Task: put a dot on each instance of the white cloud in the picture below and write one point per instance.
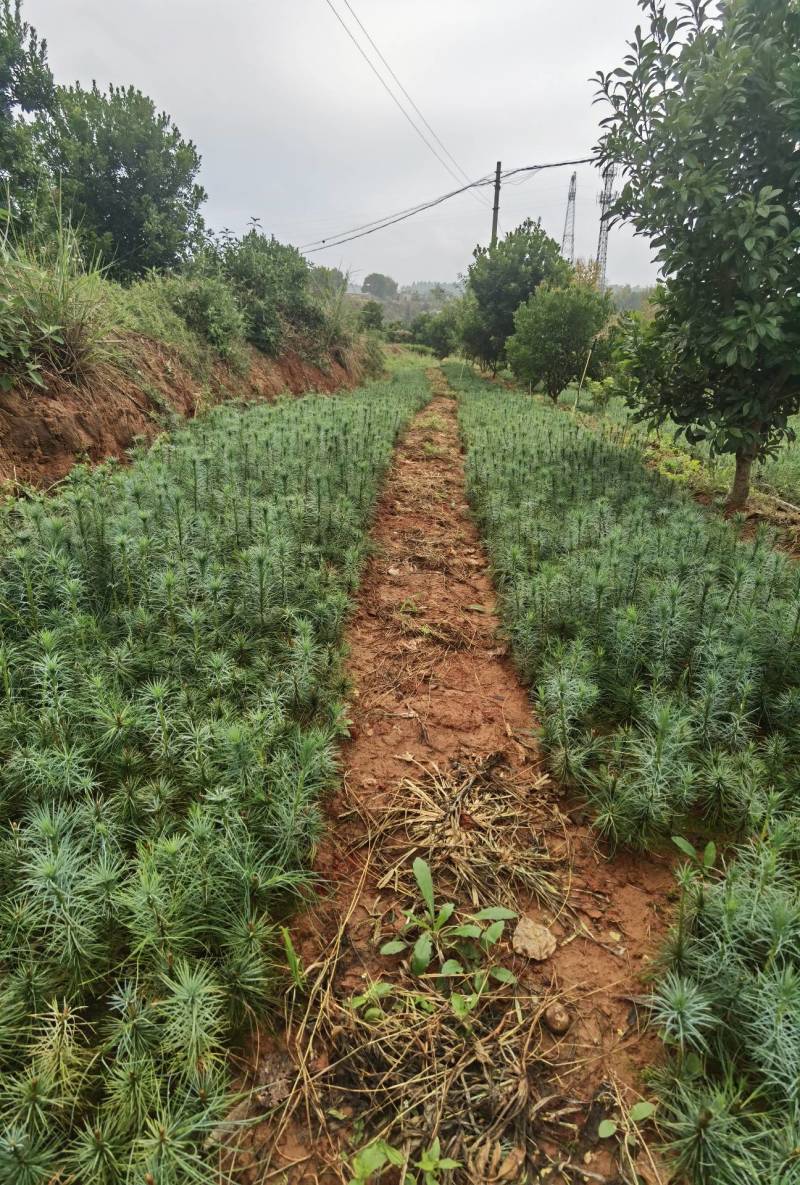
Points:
(295, 129)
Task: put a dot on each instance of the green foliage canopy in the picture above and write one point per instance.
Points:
(328, 280)
(209, 308)
(380, 286)
(705, 112)
(553, 334)
(440, 331)
(126, 174)
(500, 279)
(271, 280)
(26, 86)
(370, 315)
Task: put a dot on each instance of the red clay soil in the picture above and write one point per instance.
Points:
(43, 434)
(435, 693)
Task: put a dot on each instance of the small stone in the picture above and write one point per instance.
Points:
(614, 936)
(533, 940)
(557, 1018)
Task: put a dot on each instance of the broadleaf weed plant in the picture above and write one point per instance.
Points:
(456, 952)
(170, 703)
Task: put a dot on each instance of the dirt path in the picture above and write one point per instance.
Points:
(440, 719)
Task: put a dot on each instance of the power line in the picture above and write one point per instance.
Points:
(377, 222)
(392, 219)
(399, 84)
(369, 228)
(390, 92)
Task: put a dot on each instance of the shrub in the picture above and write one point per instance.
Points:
(370, 315)
(397, 333)
(209, 307)
(271, 282)
(440, 331)
(600, 392)
(554, 334)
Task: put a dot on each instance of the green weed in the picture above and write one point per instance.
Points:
(55, 317)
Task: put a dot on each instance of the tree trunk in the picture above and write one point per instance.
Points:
(740, 490)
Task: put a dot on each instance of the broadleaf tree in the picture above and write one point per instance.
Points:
(440, 331)
(705, 112)
(380, 286)
(26, 88)
(500, 279)
(127, 176)
(370, 315)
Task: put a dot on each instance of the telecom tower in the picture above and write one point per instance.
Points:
(568, 240)
(605, 199)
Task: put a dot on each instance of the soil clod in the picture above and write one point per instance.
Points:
(533, 940)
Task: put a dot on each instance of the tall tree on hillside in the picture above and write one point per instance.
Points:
(500, 279)
(26, 87)
(379, 286)
(705, 119)
(127, 176)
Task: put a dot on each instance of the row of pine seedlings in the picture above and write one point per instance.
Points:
(170, 700)
(664, 656)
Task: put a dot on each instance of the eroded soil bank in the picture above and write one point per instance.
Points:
(443, 764)
(44, 433)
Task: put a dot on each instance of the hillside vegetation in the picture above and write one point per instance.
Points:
(104, 255)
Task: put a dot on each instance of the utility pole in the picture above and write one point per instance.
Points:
(568, 239)
(496, 210)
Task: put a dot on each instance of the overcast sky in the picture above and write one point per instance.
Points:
(295, 129)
